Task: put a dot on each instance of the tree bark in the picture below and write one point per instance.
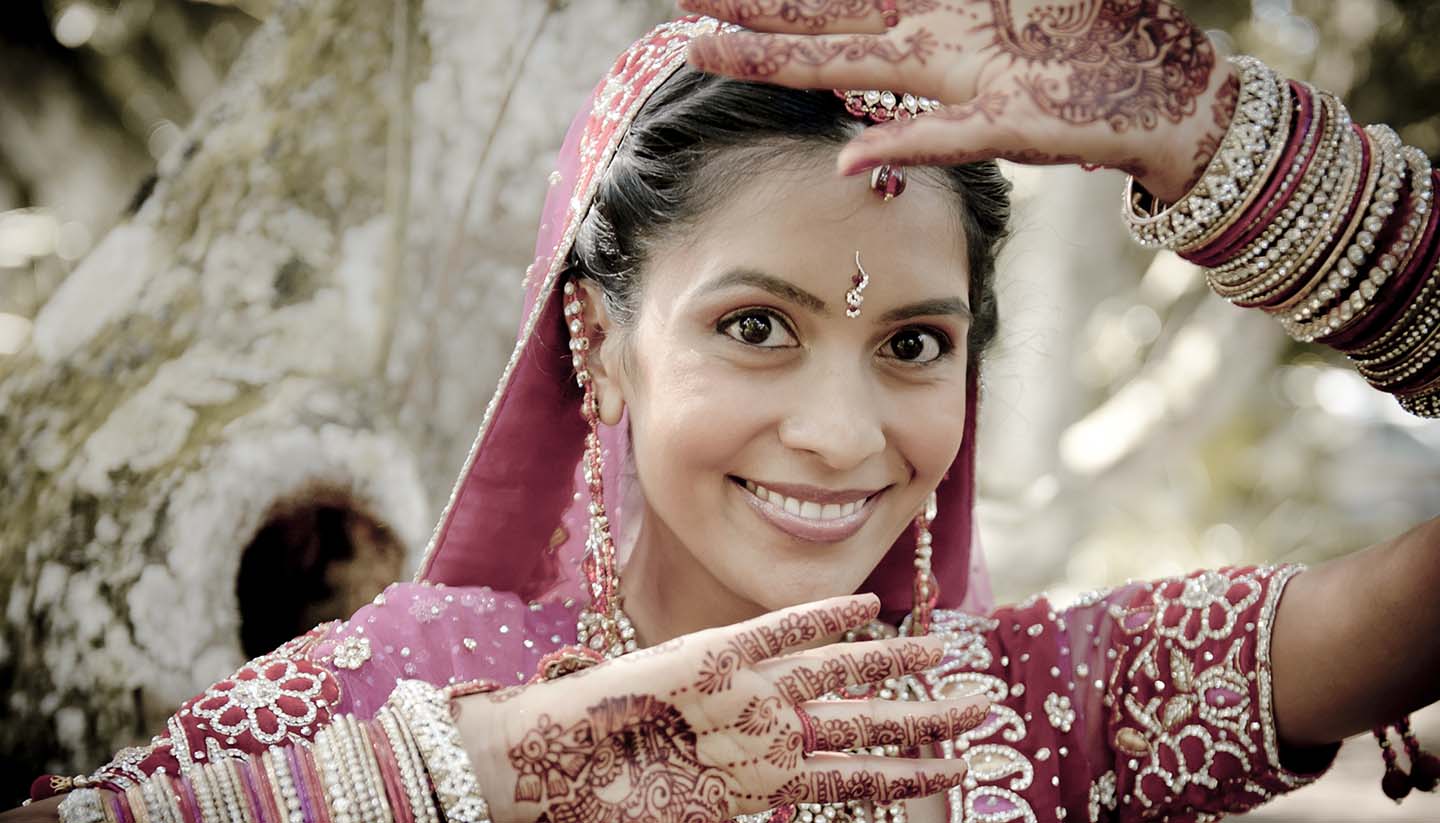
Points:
(283, 355)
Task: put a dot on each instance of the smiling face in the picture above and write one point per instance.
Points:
(782, 447)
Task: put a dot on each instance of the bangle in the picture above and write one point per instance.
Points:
(1253, 142)
(82, 806)
(425, 711)
(1351, 175)
(412, 768)
(1264, 234)
(1308, 323)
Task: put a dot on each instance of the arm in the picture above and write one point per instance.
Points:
(1357, 640)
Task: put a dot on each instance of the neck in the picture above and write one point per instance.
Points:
(667, 593)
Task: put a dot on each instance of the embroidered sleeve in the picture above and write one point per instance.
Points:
(437, 634)
(1151, 701)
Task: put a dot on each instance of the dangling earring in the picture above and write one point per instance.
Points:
(926, 591)
(603, 627)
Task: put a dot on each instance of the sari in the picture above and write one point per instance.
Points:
(1152, 700)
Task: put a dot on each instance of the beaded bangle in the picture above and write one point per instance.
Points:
(385, 761)
(82, 806)
(1253, 141)
(362, 766)
(1260, 234)
(1312, 229)
(311, 800)
(1330, 285)
(425, 711)
(280, 772)
(253, 797)
(1388, 319)
(137, 803)
(371, 761)
(1302, 210)
(412, 768)
(1358, 171)
(327, 764)
(1403, 248)
(265, 788)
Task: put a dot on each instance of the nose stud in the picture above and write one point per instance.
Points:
(856, 296)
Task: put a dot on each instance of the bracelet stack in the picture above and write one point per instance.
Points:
(406, 765)
(1325, 225)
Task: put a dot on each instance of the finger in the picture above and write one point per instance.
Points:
(748, 643)
(835, 778)
(808, 675)
(852, 724)
(785, 16)
(984, 128)
(836, 61)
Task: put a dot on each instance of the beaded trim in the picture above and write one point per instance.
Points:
(425, 711)
(1234, 173)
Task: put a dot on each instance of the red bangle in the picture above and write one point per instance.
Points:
(1268, 205)
(1404, 289)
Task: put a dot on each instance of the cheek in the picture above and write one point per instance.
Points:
(688, 424)
(929, 430)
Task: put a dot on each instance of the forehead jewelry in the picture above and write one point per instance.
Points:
(856, 296)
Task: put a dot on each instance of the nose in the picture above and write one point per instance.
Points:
(836, 418)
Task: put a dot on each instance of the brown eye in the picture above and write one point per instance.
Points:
(760, 329)
(916, 346)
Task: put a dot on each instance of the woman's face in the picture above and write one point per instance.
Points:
(781, 446)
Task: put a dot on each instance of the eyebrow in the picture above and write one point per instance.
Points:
(785, 290)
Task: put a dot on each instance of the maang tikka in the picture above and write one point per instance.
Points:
(886, 180)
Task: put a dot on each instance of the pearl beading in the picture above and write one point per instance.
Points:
(425, 712)
(1307, 323)
(1322, 141)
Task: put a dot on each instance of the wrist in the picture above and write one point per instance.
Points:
(1184, 151)
(483, 734)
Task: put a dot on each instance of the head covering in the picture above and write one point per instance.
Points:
(516, 519)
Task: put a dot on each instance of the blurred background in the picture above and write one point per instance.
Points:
(260, 267)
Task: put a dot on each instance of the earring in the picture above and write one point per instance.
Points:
(926, 590)
(603, 627)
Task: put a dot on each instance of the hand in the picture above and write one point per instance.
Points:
(1127, 84)
(40, 811)
(715, 724)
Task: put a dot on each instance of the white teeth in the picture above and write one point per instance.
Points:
(808, 509)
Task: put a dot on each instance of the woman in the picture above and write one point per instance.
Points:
(787, 359)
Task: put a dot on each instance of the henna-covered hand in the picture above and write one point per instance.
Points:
(1129, 84)
(715, 724)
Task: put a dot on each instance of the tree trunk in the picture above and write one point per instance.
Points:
(244, 409)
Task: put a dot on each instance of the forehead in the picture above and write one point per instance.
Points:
(804, 222)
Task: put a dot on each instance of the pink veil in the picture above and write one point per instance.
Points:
(516, 518)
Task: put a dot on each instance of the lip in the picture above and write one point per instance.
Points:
(802, 528)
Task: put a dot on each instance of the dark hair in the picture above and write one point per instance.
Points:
(664, 173)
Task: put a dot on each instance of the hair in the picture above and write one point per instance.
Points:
(700, 136)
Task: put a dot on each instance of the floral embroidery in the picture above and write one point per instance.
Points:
(268, 699)
(1059, 712)
(1203, 608)
(1102, 796)
(425, 609)
(352, 652)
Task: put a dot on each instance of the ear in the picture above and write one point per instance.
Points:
(605, 361)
